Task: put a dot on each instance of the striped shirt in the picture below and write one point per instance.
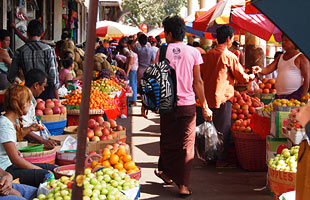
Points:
(35, 54)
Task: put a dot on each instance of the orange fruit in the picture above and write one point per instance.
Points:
(127, 158)
(130, 171)
(106, 154)
(123, 170)
(112, 151)
(94, 163)
(136, 169)
(130, 165)
(121, 151)
(118, 166)
(106, 163)
(114, 159)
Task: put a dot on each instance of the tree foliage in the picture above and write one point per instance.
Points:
(152, 12)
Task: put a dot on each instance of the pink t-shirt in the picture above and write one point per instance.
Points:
(62, 76)
(183, 58)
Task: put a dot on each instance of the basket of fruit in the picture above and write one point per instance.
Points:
(287, 105)
(282, 171)
(251, 151)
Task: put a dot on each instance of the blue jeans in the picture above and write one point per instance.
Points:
(27, 192)
(133, 84)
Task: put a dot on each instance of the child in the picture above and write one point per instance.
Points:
(17, 102)
(65, 74)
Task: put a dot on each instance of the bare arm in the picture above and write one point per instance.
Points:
(6, 57)
(268, 69)
(47, 143)
(11, 150)
(198, 87)
(304, 68)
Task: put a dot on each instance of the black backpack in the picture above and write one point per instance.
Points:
(158, 85)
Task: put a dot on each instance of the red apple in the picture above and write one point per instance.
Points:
(265, 80)
(236, 106)
(49, 104)
(241, 116)
(48, 111)
(40, 105)
(248, 116)
(57, 103)
(63, 109)
(245, 107)
(244, 123)
(39, 112)
(248, 129)
(119, 128)
(273, 91)
(261, 85)
(91, 123)
(268, 86)
(233, 111)
(100, 120)
(245, 112)
(241, 102)
(239, 111)
(105, 131)
(242, 129)
(90, 133)
(56, 110)
(55, 100)
(104, 137)
(106, 124)
(238, 122)
(252, 109)
(113, 123)
(98, 131)
(272, 81)
(40, 100)
(266, 91)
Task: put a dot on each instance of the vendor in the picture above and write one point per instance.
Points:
(17, 102)
(36, 80)
(5, 59)
(293, 72)
(65, 75)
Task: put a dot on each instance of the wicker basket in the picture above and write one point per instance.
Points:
(41, 157)
(251, 151)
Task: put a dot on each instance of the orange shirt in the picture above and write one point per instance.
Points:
(219, 70)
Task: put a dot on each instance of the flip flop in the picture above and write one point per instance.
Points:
(159, 175)
(185, 195)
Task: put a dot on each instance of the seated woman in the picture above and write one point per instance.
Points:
(65, 75)
(17, 101)
(5, 59)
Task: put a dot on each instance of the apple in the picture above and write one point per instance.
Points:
(103, 137)
(241, 102)
(40, 105)
(110, 137)
(39, 112)
(113, 123)
(265, 80)
(39, 100)
(57, 103)
(107, 124)
(268, 86)
(241, 116)
(252, 109)
(48, 111)
(106, 131)
(95, 139)
(98, 131)
(239, 111)
(49, 104)
(100, 120)
(273, 91)
(242, 129)
(114, 135)
(236, 106)
(56, 110)
(238, 122)
(234, 116)
(248, 129)
(63, 109)
(91, 123)
(90, 133)
(266, 91)
(261, 85)
(272, 81)
(119, 128)
(245, 111)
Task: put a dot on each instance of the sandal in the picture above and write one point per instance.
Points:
(185, 195)
(159, 175)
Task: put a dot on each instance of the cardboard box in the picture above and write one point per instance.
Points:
(276, 123)
(274, 146)
(122, 135)
(71, 130)
(53, 118)
(280, 181)
(296, 136)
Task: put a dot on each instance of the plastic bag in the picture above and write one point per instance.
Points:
(208, 141)
(252, 88)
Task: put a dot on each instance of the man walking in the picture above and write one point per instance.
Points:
(219, 70)
(36, 55)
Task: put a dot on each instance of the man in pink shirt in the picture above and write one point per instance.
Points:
(178, 127)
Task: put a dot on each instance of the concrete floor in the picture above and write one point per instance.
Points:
(207, 182)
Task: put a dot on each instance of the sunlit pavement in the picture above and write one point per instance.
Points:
(207, 182)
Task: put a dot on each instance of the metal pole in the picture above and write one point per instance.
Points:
(77, 191)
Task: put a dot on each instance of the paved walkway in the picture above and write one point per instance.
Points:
(207, 182)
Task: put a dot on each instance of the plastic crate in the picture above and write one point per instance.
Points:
(56, 128)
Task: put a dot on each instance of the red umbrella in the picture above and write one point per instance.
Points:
(250, 9)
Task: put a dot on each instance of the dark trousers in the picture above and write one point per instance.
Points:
(31, 177)
(222, 122)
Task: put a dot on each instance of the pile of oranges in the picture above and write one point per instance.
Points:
(98, 100)
(116, 159)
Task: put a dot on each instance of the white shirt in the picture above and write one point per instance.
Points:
(30, 117)
(7, 134)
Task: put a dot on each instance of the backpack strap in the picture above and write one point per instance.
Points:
(162, 52)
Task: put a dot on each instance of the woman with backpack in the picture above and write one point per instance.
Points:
(178, 127)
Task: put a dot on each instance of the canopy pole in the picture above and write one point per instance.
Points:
(77, 189)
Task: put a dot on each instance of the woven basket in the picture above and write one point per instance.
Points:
(39, 154)
(50, 159)
(251, 151)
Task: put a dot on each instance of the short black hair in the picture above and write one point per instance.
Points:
(35, 28)
(196, 44)
(158, 39)
(65, 35)
(66, 54)
(142, 39)
(223, 32)
(67, 62)
(176, 26)
(3, 34)
(33, 76)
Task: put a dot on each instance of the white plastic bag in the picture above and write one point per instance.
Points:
(208, 141)
(252, 88)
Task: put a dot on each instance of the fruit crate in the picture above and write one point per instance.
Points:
(56, 128)
(251, 151)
